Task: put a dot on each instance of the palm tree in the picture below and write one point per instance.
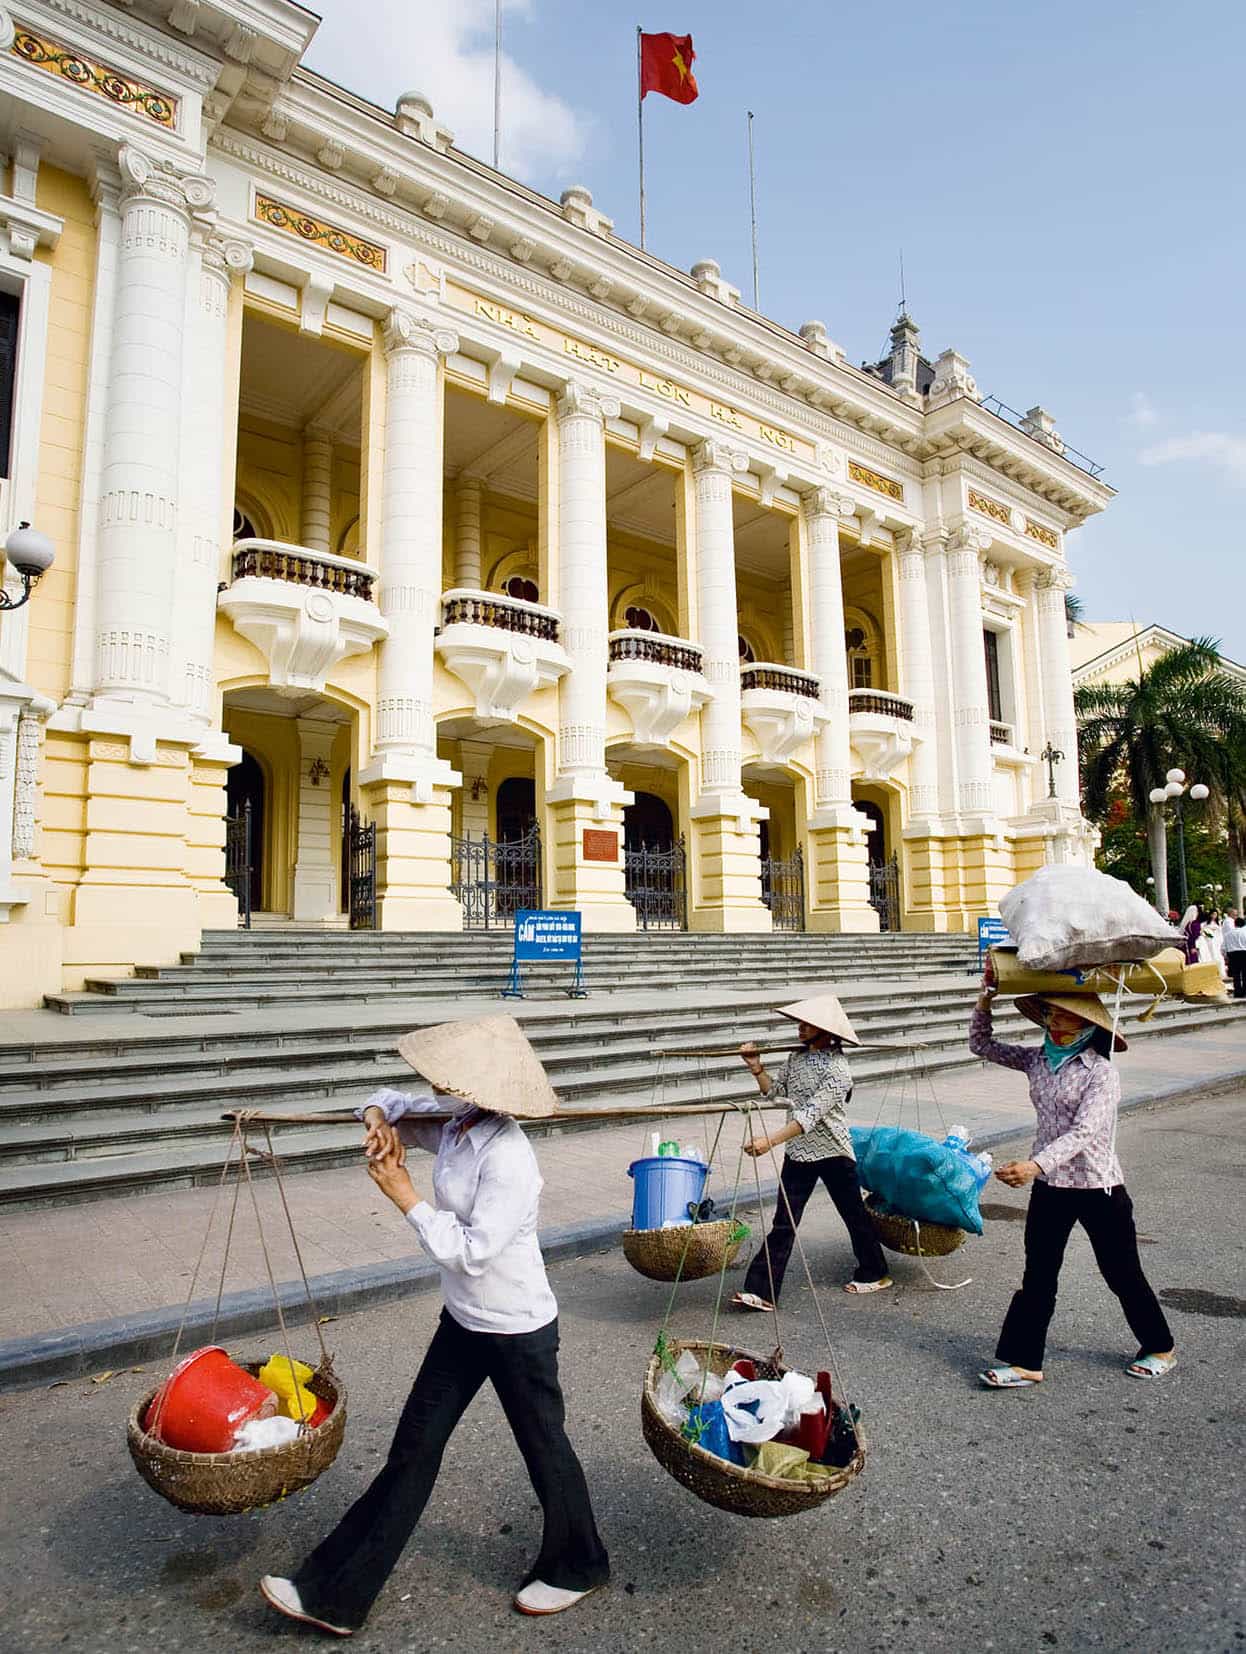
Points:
(1183, 710)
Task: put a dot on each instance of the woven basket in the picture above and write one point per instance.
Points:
(657, 1253)
(901, 1234)
(728, 1486)
(226, 1484)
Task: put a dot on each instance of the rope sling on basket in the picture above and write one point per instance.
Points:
(225, 1484)
(739, 1489)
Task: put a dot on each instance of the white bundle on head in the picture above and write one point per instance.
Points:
(1064, 918)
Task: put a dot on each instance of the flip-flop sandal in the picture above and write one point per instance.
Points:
(1151, 1366)
(1006, 1378)
(750, 1300)
(858, 1287)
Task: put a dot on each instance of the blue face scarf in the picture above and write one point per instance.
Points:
(1058, 1055)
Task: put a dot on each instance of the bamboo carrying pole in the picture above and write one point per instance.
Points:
(651, 1111)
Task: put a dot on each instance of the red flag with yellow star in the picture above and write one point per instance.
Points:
(666, 66)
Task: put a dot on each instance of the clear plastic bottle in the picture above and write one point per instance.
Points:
(957, 1138)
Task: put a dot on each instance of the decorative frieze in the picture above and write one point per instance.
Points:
(1044, 535)
(872, 479)
(995, 509)
(320, 233)
(98, 78)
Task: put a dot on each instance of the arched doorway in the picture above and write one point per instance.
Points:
(647, 823)
(245, 785)
(654, 875)
(884, 868)
(876, 837)
(516, 807)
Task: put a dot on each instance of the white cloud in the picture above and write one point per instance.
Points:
(1142, 410)
(1217, 448)
(444, 49)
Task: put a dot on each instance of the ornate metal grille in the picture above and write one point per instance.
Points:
(496, 878)
(783, 890)
(362, 839)
(238, 861)
(656, 884)
(885, 893)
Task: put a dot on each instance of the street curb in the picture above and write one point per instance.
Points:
(128, 1340)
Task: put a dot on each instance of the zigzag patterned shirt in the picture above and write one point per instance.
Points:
(816, 1086)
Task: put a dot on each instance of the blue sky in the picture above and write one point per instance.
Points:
(1065, 183)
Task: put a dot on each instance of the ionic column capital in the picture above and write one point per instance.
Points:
(715, 455)
(226, 256)
(406, 330)
(581, 401)
(827, 502)
(1059, 578)
(144, 178)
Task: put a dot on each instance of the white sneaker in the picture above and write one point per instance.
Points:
(539, 1598)
(282, 1594)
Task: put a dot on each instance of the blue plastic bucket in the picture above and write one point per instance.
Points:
(663, 1189)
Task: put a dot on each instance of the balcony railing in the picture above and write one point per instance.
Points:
(785, 679)
(656, 649)
(273, 560)
(1001, 734)
(505, 614)
(880, 702)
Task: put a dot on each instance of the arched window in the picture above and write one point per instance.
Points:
(640, 619)
(861, 647)
(747, 653)
(526, 590)
(244, 528)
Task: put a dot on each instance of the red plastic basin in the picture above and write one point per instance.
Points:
(204, 1402)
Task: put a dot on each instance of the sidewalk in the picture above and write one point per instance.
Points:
(85, 1285)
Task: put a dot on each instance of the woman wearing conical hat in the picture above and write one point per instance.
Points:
(500, 1322)
(1075, 1088)
(815, 1083)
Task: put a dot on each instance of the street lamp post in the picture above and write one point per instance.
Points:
(31, 555)
(1173, 792)
(1051, 756)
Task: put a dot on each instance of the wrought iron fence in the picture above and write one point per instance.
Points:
(238, 867)
(783, 889)
(493, 879)
(362, 841)
(655, 882)
(885, 893)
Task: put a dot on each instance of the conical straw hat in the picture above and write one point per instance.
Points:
(485, 1060)
(825, 1012)
(1087, 1006)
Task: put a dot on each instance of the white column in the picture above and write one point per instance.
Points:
(583, 588)
(210, 426)
(1059, 717)
(315, 873)
(917, 678)
(317, 515)
(970, 703)
(828, 657)
(411, 530)
(467, 540)
(137, 548)
(718, 626)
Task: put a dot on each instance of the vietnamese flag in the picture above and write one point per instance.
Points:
(666, 66)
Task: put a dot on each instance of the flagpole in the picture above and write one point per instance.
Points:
(640, 131)
(497, 85)
(752, 202)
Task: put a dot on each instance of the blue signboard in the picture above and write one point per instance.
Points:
(546, 934)
(992, 933)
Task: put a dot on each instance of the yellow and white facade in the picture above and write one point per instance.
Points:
(377, 479)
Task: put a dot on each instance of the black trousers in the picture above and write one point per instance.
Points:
(799, 1178)
(1108, 1219)
(1236, 961)
(341, 1578)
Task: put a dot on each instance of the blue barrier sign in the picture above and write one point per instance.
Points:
(546, 934)
(992, 933)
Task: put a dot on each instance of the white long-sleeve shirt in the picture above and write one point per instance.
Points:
(482, 1228)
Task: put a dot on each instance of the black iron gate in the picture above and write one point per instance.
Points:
(655, 882)
(494, 879)
(783, 889)
(885, 893)
(362, 843)
(238, 860)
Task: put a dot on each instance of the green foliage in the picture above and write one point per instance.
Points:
(1124, 854)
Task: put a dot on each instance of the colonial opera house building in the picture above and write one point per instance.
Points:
(422, 551)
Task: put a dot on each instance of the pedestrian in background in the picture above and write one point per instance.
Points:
(1234, 943)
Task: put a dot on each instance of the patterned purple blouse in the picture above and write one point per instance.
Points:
(1076, 1108)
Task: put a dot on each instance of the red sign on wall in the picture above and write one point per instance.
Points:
(600, 844)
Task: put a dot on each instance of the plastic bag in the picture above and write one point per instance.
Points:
(911, 1174)
(707, 1427)
(756, 1410)
(260, 1433)
(687, 1384)
(1064, 918)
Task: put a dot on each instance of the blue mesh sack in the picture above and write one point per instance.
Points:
(909, 1173)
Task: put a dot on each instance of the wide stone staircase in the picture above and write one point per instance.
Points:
(128, 1102)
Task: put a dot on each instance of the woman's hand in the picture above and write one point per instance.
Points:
(757, 1147)
(379, 1139)
(392, 1178)
(1017, 1173)
(989, 985)
(751, 1056)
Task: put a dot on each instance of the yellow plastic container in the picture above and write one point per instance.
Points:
(288, 1380)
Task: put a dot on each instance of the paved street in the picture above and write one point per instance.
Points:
(1095, 1513)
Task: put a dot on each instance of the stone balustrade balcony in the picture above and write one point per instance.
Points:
(501, 647)
(1001, 734)
(781, 707)
(881, 731)
(303, 610)
(657, 680)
